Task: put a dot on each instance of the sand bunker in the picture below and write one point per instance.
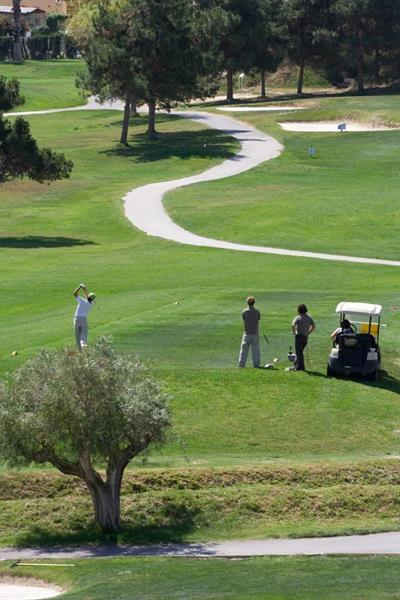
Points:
(19, 589)
(330, 126)
(258, 108)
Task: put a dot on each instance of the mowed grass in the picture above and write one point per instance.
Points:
(343, 201)
(46, 84)
(54, 237)
(197, 505)
(311, 578)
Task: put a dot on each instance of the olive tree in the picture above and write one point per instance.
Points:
(83, 412)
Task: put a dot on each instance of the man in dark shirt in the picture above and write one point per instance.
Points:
(302, 326)
(251, 317)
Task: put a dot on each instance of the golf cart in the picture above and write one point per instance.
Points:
(357, 352)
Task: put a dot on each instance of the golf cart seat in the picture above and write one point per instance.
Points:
(354, 348)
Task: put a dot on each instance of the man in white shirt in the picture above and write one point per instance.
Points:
(80, 319)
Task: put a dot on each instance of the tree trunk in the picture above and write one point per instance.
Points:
(17, 47)
(377, 64)
(133, 107)
(151, 128)
(106, 498)
(125, 122)
(229, 91)
(301, 76)
(360, 63)
(263, 88)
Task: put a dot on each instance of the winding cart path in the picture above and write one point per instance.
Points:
(144, 207)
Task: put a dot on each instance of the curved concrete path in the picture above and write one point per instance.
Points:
(144, 207)
(377, 543)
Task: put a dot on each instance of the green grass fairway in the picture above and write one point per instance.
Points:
(343, 201)
(55, 236)
(345, 578)
(178, 307)
(46, 84)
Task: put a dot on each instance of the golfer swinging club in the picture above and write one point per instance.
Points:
(81, 313)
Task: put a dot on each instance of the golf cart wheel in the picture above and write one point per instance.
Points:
(373, 376)
(330, 372)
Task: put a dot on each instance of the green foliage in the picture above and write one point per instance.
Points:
(20, 155)
(41, 45)
(63, 405)
(56, 22)
(148, 51)
(10, 94)
(5, 47)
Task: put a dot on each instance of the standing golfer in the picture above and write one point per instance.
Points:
(251, 317)
(81, 313)
(302, 326)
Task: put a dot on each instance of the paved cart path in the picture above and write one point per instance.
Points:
(144, 207)
(377, 543)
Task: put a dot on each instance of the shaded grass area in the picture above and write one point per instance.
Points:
(344, 201)
(295, 578)
(200, 505)
(46, 84)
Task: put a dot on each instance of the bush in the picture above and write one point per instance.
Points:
(5, 47)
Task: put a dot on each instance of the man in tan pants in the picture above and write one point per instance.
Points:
(251, 317)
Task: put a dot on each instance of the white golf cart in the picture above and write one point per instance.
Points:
(357, 352)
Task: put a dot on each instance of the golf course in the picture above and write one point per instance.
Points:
(252, 453)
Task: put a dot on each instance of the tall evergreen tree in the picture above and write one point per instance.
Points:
(356, 25)
(307, 23)
(269, 39)
(160, 52)
(238, 41)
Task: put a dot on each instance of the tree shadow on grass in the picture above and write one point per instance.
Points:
(184, 145)
(178, 520)
(39, 241)
(141, 120)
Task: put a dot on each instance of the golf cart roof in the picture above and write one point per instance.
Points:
(359, 308)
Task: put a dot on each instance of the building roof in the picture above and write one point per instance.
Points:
(25, 10)
(48, 6)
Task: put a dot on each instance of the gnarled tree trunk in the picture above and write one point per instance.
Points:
(106, 495)
(106, 504)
